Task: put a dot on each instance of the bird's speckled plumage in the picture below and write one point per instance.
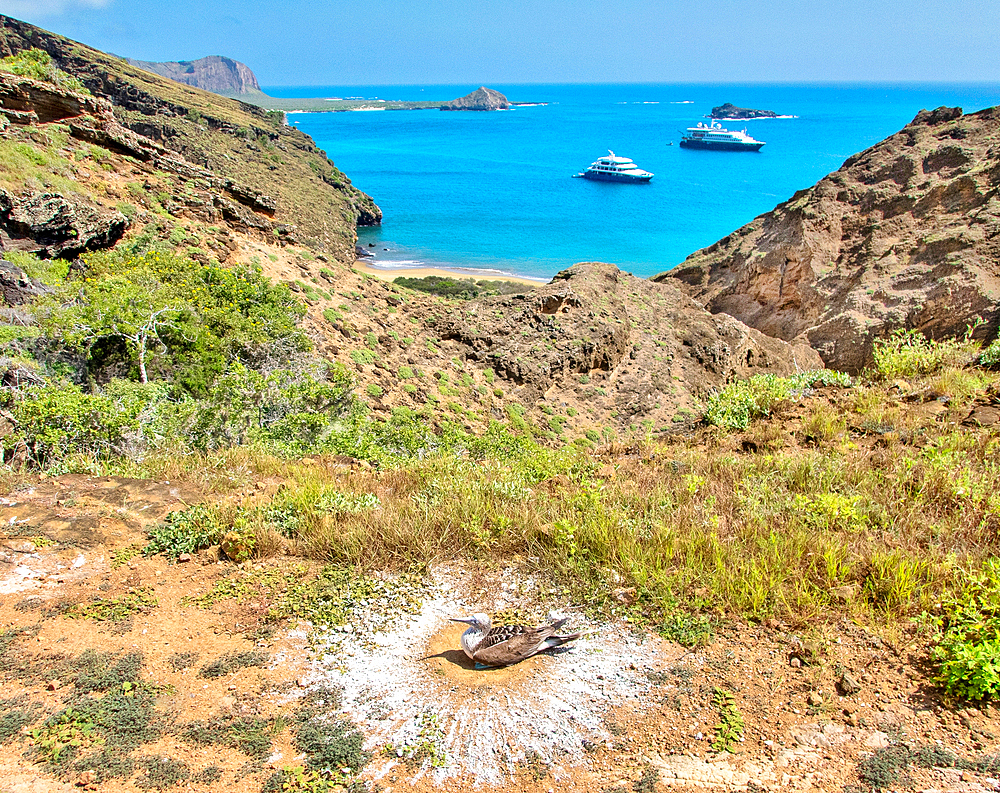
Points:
(504, 645)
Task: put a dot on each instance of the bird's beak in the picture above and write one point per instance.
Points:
(466, 620)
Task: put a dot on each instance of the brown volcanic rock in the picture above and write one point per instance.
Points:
(52, 225)
(215, 73)
(905, 234)
(652, 346)
(481, 99)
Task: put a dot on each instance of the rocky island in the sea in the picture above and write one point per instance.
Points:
(731, 112)
(482, 98)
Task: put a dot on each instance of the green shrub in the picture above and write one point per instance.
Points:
(185, 531)
(908, 353)
(55, 421)
(736, 405)
(37, 64)
(990, 357)
(967, 648)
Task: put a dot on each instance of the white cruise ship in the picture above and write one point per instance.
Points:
(615, 169)
(715, 136)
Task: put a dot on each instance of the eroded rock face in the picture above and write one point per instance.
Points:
(905, 234)
(16, 287)
(481, 99)
(52, 225)
(657, 347)
(26, 101)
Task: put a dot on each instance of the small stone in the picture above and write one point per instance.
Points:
(227, 702)
(232, 688)
(20, 546)
(52, 685)
(847, 685)
(184, 557)
(795, 661)
(815, 699)
(877, 740)
(968, 776)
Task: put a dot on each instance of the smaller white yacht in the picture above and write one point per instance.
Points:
(715, 136)
(615, 169)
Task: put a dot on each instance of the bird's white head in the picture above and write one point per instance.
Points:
(479, 626)
(478, 621)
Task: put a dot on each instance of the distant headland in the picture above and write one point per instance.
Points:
(236, 80)
(216, 73)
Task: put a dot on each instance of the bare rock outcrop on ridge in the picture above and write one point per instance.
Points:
(595, 328)
(905, 235)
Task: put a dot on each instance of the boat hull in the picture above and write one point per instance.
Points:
(719, 146)
(604, 176)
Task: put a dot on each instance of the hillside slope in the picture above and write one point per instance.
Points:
(307, 198)
(905, 235)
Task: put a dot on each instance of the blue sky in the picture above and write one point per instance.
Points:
(303, 42)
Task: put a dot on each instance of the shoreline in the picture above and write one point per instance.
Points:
(391, 273)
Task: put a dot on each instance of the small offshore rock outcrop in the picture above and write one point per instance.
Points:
(482, 98)
(732, 112)
(905, 235)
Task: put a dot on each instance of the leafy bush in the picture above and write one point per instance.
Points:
(990, 357)
(54, 420)
(461, 288)
(908, 353)
(968, 644)
(37, 64)
(177, 319)
(185, 531)
(736, 405)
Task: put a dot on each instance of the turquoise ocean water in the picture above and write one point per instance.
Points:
(493, 191)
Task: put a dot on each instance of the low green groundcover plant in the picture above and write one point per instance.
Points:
(736, 405)
(968, 644)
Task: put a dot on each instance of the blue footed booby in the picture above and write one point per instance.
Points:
(504, 645)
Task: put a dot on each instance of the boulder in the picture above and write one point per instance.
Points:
(481, 99)
(905, 235)
(52, 225)
(16, 287)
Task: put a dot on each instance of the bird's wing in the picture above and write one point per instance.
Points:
(515, 644)
(499, 634)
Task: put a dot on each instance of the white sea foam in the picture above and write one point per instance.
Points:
(467, 272)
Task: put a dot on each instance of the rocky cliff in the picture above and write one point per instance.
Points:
(905, 235)
(481, 99)
(215, 73)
